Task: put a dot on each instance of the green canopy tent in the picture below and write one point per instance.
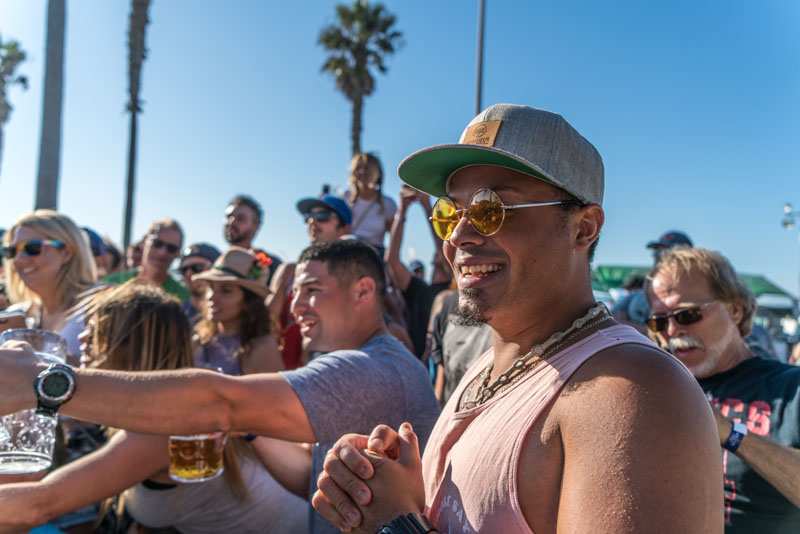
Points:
(607, 277)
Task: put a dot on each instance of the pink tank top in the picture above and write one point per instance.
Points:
(471, 461)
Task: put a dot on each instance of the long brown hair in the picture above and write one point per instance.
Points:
(254, 322)
(138, 327)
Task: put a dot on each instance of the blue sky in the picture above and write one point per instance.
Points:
(695, 107)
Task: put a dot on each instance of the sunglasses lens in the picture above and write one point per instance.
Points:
(689, 316)
(33, 248)
(486, 212)
(320, 216)
(8, 252)
(444, 218)
(657, 324)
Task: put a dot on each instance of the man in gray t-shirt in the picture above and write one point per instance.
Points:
(364, 378)
(354, 390)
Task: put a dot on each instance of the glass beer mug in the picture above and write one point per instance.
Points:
(27, 439)
(196, 458)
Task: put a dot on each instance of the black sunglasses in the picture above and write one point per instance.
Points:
(195, 268)
(659, 322)
(319, 216)
(171, 248)
(32, 247)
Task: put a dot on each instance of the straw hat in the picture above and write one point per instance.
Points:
(241, 266)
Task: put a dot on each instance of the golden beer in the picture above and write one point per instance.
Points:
(196, 458)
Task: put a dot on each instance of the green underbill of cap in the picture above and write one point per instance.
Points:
(429, 169)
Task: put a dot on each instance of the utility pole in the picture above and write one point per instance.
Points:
(479, 83)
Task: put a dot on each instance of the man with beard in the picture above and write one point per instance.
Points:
(570, 422)
(702, 313)
(160, 246)
(243, 218)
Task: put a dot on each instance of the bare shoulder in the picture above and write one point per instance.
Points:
(637, 431)
(632, 382)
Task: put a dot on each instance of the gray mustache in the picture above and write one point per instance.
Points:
(684, 343)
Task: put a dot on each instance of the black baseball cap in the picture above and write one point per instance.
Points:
(670, 239)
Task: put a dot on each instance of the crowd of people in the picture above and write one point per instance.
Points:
(358, 394)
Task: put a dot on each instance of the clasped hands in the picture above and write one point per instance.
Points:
(369, 480)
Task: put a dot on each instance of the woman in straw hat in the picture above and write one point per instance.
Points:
(235, 334)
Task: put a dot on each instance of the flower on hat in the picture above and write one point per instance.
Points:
(261, 262)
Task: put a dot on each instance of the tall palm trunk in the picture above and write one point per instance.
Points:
(136, 54)
(355, 133)
(50, 139)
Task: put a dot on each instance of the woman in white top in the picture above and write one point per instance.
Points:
(137, 327)
(373, 211)
(48, 265)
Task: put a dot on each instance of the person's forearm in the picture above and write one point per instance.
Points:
(22, 507)
(777, 464)
(189, 401)
(289, 463)
(400, 274)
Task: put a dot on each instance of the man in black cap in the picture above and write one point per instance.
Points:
(195, 259)
(633, 308)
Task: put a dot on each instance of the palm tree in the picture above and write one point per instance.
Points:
(359, 41)
(11, 55)
(50, 137)
(137, 51)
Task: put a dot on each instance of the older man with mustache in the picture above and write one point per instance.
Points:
(702, 313)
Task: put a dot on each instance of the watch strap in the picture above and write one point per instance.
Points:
(735, 438)
(414, 523)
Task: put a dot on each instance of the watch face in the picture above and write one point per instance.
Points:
(55, 385)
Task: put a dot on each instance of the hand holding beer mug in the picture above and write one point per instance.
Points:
(27, 438)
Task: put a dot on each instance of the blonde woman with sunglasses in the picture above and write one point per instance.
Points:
(139, 328)
(48, 265)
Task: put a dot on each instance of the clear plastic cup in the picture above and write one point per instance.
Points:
(27, 439)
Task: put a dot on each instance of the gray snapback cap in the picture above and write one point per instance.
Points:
(528, 140)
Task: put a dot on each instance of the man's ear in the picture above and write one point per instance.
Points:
(589, 222)
(364, 289)
(737, 312)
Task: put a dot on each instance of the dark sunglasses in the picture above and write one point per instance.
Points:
(171, 248)
(32, 247)
(319, 216)
(486, 213)
(659, 322)
(194, 268)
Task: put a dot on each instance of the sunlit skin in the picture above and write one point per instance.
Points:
(540, 280)
(156, 261)
(722, 344)
(224, 304)
(40, 273)
(241, 225)
(319, 303)
(324, 231)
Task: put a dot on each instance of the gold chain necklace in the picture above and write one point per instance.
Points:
(538, 353)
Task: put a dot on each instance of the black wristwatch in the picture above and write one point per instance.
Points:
(407, 524)
(53, 387)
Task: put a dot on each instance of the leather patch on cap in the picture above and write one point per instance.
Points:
(482, 133)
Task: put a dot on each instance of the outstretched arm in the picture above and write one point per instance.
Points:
(126, 460)
(189, 401)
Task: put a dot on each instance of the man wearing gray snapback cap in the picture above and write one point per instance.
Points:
(571, 422)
